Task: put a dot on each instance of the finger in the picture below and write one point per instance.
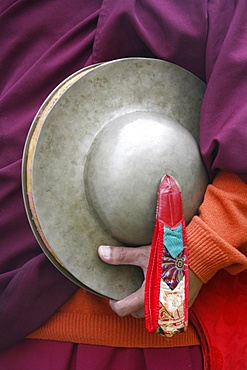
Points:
(125, 255)
(131, 304)
(139, 314)
(195, 285)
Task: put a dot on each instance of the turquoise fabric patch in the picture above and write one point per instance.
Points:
(173, 240)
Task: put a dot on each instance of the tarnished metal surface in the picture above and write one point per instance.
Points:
(98, 157)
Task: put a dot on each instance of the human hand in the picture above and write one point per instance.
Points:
(139, 256)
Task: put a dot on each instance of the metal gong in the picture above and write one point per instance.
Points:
(94, 157)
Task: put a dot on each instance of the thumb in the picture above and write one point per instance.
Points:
(124, 255)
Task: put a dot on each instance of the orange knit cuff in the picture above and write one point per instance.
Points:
(216, 237)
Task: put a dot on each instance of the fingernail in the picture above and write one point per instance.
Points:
(105, 251)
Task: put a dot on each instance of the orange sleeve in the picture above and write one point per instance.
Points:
(217, 237)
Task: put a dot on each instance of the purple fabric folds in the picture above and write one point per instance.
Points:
(39, 355)
(42, 43)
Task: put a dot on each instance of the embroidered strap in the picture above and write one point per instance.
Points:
(166, 289)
